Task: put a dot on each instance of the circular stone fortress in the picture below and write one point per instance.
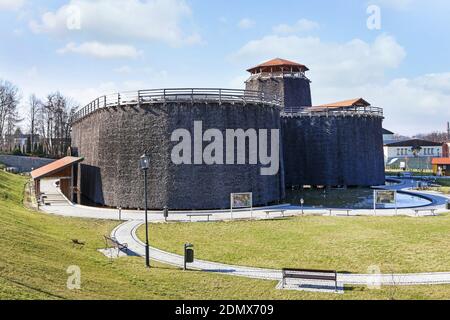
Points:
(286, 141)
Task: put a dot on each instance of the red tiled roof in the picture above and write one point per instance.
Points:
(347, 103)
(342, 104)
(441, 161)
(54, 167)
(277, 64)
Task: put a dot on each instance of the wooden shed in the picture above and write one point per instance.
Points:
(66, 170)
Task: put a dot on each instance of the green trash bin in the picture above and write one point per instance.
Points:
(188, 254)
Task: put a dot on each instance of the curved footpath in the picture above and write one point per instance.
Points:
(126, 233)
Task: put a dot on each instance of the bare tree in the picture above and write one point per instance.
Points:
(434, 136)
(54, 123)
(34, 104)
(9, 101)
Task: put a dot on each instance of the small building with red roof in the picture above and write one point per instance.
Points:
(441, 166)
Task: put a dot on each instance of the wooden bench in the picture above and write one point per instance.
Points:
(348, 211)
(432, 210)
(305, 274)
(208, 215)
(113, 243)
(268, 212)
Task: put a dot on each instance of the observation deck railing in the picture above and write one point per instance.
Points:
(333, 111)
(279, 74)
(142, 97)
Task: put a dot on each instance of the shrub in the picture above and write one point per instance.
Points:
(17, 152)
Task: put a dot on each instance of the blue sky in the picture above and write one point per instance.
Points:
(87, 48)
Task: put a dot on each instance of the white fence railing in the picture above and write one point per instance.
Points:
(333, 111)
(176, 95)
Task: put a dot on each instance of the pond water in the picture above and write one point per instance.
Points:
(352, 198)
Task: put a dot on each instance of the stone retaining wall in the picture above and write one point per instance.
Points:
(24, 164)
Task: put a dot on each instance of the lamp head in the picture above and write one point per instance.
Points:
(144, 162)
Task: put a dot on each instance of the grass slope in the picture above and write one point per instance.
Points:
(395, 244)
(36, 252)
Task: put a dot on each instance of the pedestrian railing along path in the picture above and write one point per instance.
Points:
(195, 95)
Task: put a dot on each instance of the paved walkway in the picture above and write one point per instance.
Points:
(126, 233)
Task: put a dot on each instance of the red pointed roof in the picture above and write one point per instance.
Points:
(277, 64)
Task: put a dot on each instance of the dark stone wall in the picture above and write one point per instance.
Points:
(294, 92)
(24, 164)
(112, 141)
(333, 151)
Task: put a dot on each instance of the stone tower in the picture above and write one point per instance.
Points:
(285, 79)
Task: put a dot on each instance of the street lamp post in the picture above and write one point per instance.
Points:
(144, 163)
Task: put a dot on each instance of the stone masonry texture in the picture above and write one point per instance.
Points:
(294, 92)
(112, 140)
(333, 151)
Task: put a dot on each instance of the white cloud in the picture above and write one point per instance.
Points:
(358, 69)
(124, 70)
(349, 63)
(101, 50)
(246, 23)
(411, 105)
(86, 95)
(301, 25)
(32, 73)
(415, 105)
(11, 4)
(238, 82)
(395, 4)
(106, 20)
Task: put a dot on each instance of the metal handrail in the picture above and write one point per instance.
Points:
(329, 111)
(176, 95)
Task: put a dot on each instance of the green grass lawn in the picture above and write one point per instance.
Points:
(444, 188)
(445, 183)
(36, 252)
(395, 244)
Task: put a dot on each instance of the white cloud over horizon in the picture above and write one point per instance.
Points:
(101, 50)
(11, 4)
(356, 68)
(351, 62)
(301, 25)
(246, 23)
(103, 20)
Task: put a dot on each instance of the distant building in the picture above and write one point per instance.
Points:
(446, 150)
(411, 154)
(19, 141)
(441, 166)
(388, 136)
